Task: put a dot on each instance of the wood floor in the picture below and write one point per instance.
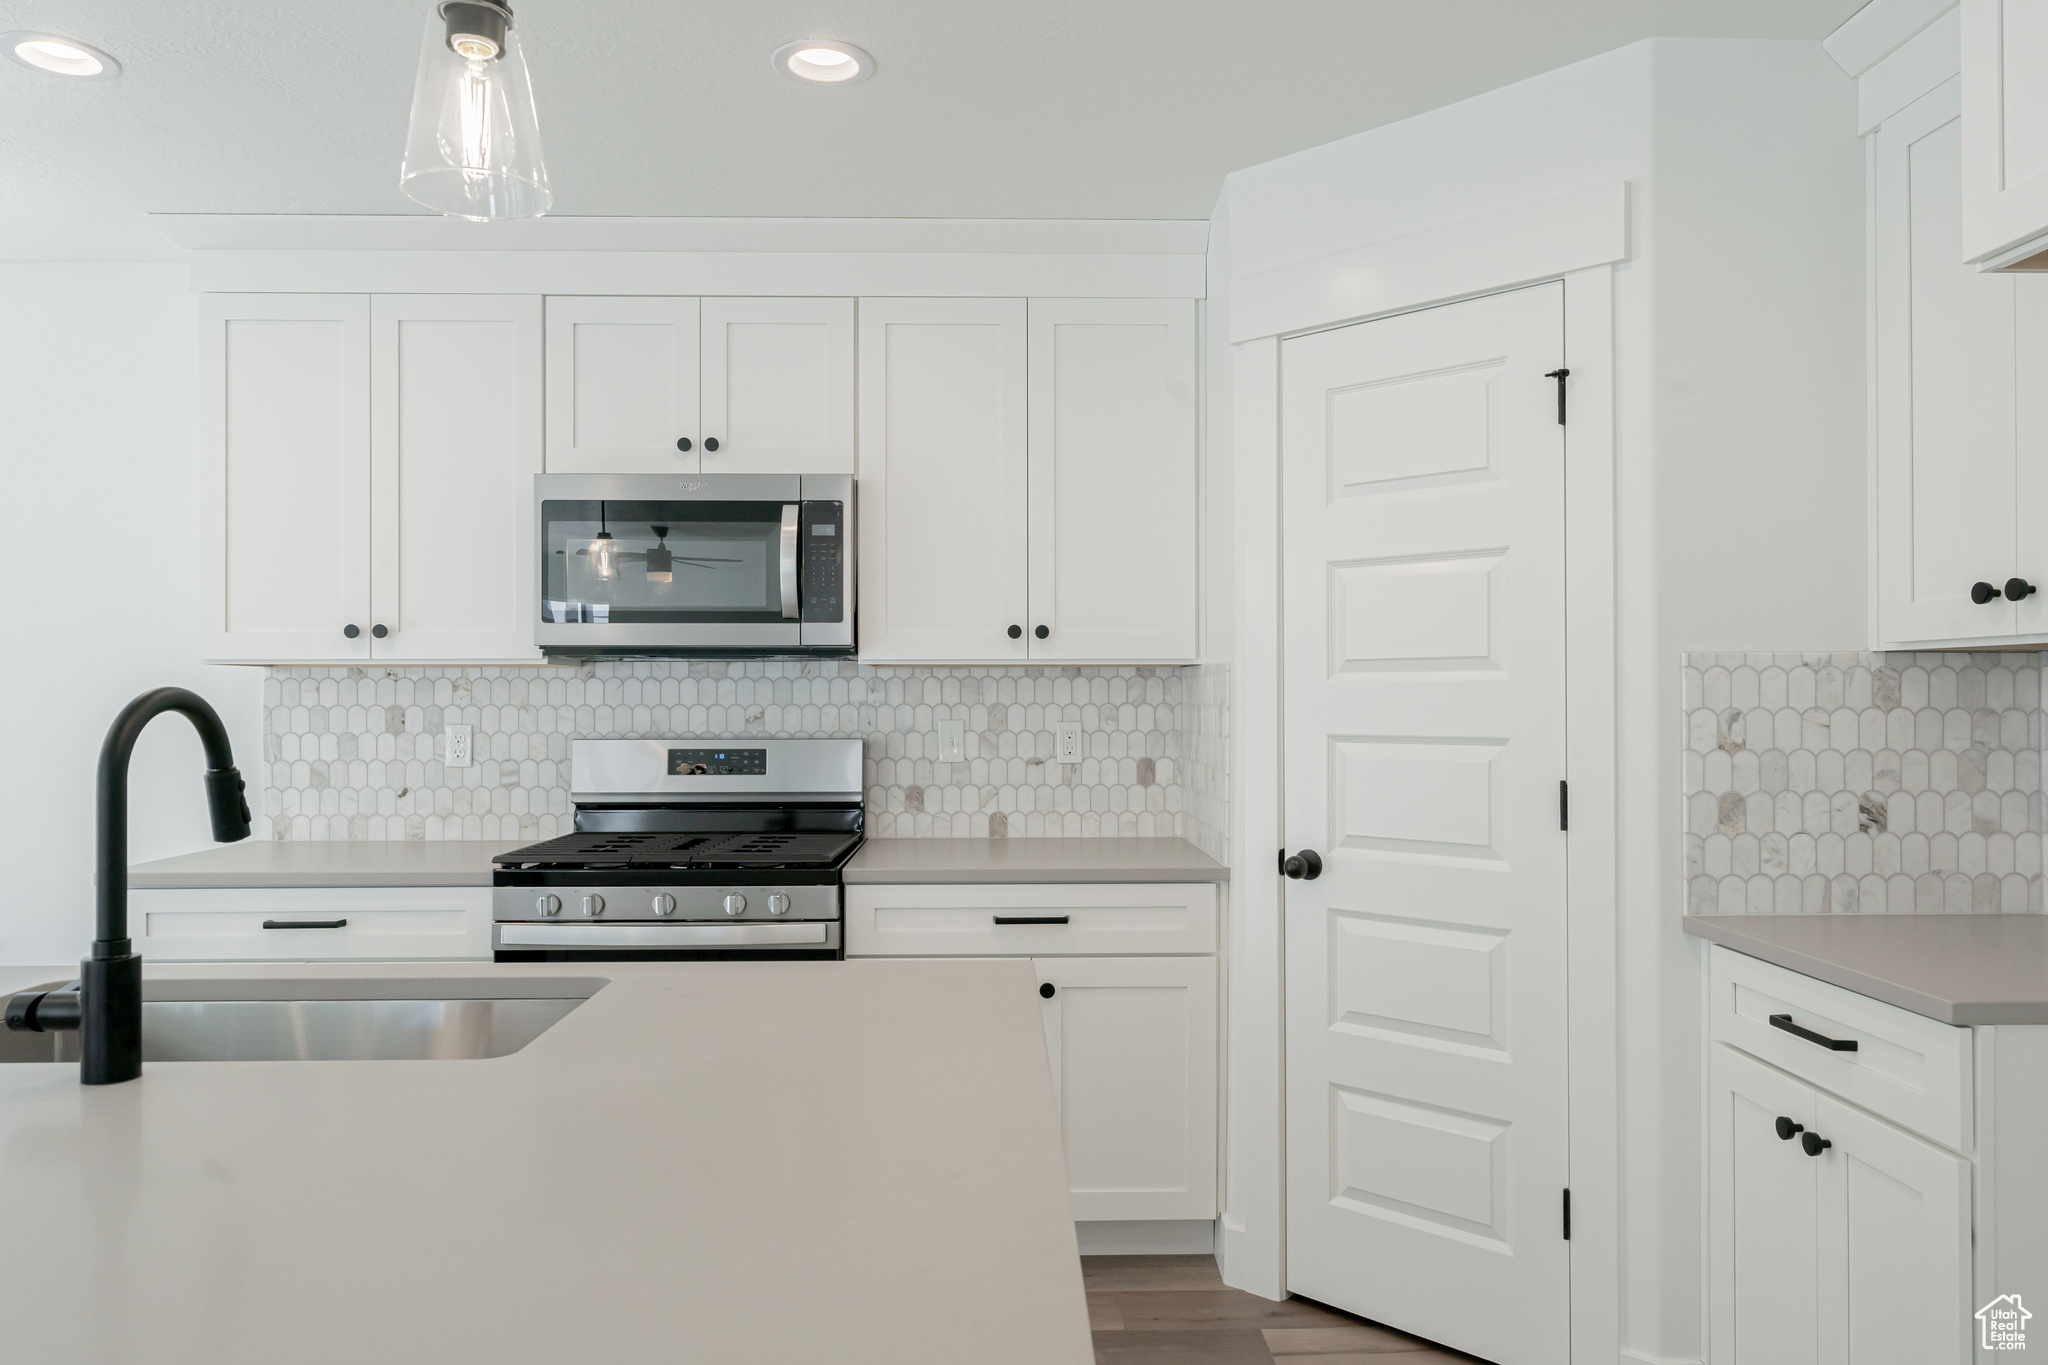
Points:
(1175, 1310)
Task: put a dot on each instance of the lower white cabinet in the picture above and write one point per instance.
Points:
(1128, 990)
(312, 924)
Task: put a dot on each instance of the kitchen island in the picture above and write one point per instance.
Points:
(719, 1162)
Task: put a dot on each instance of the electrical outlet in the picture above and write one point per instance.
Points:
(457, 746)
(1067, 743)
(952, 741)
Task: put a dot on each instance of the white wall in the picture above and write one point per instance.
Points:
(97, 482)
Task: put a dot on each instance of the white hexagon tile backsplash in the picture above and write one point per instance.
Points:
(1879, 783)
(356, 753)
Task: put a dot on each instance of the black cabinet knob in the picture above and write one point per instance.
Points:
(711, 443)
(350, 632)
(1814, 1144)
(1787, 1128)
(379, 632)
(1045, 989)
(1042, 632)
(1016, 632)
(1980, 593)
(2019, 589)
(1304, 866)
(683, 443)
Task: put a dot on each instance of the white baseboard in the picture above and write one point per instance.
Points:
(1629, 1357)
(1169, 1237)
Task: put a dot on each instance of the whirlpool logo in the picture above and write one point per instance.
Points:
(690, 486)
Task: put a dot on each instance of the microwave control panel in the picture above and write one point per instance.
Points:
(822, 542)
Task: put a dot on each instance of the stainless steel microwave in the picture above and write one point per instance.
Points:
(694, 565)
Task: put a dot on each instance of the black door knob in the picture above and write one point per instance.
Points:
(350, 632)
(2019, 589)
(683, 443)
(1045, 990)
(1016, 632)
(1980, 593)
(1787, 1128)
(1304, 866)
(379, 632)
(711, 443)
(1814, 1144)
(1042, 632)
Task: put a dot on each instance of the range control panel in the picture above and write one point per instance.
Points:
(717, 762)
(823, 555)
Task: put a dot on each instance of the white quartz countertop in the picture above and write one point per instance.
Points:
(1957, 969)
(741, 1163)
(338, 862)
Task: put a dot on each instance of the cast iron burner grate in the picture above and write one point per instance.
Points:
(802, 848)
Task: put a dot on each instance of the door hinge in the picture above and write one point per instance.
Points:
(1560, 374)
(1567, 1215)
(1564, 805)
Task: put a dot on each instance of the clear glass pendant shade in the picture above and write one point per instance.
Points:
(473, 150)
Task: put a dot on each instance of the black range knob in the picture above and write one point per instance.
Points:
(379, 632)
(351, 631)
(1814, 1144)
(683, 443)
(1045, 989)
(1980, 593)
(2019, 589)
(1042, 632)
(1787, 1128)
(1016, 632)
(711, 443)
(1304, 866)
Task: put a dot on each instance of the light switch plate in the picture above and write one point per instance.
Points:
(952, 741)
(456, 746)
(1067, 743)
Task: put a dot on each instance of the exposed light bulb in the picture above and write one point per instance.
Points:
(604, 556)
(473, 147)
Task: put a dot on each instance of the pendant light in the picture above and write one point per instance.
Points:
(473, 150)
(604, 551)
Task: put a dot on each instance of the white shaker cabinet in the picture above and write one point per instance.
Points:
(2005, 126)
(776, 377)
(622, 385)
(1764, 1216)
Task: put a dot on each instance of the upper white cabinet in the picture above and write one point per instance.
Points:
(2005, 126)
(369, 466)
(1962, 424)
(1068, 534)
(714, 386)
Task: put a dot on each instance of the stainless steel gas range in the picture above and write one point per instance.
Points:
(688, 849)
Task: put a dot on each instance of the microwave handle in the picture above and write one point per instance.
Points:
(791, 514)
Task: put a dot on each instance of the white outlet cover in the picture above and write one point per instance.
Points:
(1067, 743)
(952, 741)
(457, 746)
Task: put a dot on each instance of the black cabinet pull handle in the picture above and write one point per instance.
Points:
(1814, 1144)
(1981, 593)
(683, 443)
(1304, 866)
(1784, 1021)
(349, 632)
(1045, 990)
(711, 443)
(1042, 632)
(1031, 919)
(2019, 589)
(1016, 632)
(1787, 1129)
(379, 632)
(305, 924)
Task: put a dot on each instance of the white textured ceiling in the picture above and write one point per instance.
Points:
(978, 108)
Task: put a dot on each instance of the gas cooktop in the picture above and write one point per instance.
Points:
(598, 850)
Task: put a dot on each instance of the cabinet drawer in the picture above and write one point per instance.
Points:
(379, 922)
(970, 921)
(1905, 1067)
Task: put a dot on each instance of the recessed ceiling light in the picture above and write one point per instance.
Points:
(822, 61)
(59, 56)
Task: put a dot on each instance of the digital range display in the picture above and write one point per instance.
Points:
(717, 762)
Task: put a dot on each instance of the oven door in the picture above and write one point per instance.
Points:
(697, 941)
(710, 565)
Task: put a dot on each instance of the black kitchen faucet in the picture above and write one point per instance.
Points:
(105, 1003)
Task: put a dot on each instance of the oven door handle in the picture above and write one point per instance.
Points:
(791, 513)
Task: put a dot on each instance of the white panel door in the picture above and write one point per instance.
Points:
(285, 436)
(1132, 1042)
(1763, 1192)
(1423, 470)
(777, 385)
(942, 479)
(1945, 394)
(2005, 101)
(455, 442)
(622, 385)
(1894, 1245)
(1113, 454)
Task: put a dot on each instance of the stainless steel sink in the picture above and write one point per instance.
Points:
(381, 1020)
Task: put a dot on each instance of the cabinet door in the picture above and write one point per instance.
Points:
(1946, 443)
(622, 385)
(285, 434)
(942, 452)
(778, 386)
(2005, 100)
(1113, 454)
(1133, 1047)
(455, 441)
(1894, 1245)
(1763, 1198)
